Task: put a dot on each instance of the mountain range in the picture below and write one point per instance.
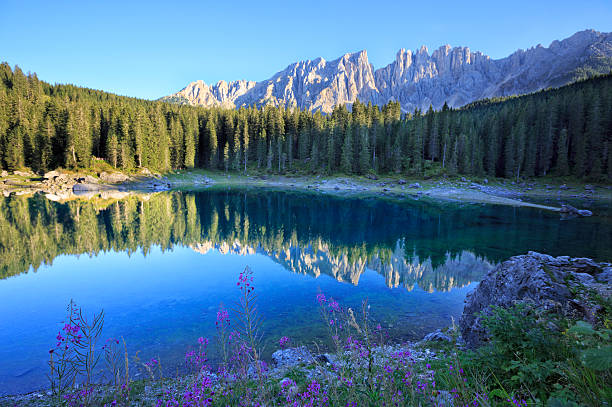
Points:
(416, 79)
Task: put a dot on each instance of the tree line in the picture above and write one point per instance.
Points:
(563, 132)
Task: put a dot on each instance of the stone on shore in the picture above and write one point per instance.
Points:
(286, 358)
(561, 285)
(113, 177)
(570, 211)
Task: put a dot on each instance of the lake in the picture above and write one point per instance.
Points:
(160, 265)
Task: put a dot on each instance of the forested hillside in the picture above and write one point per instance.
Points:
(565, 131)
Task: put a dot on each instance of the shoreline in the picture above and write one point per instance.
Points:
(534, 194)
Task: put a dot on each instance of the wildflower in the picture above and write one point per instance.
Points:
(283, 342)
(333, 305)
(321, 298)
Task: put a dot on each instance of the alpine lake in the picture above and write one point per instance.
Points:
(160, 265)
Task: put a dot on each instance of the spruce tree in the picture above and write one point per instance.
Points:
(346, 164)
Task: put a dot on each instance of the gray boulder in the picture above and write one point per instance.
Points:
(113, 177)
(51, 174)
(416, 185)
(561, 285)
(286, 358)
(4, 173)
(437, 336)
(568, 211)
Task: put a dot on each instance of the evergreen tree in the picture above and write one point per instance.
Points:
(562, 166)
(347, 152)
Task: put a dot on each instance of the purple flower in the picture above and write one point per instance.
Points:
(283, 342)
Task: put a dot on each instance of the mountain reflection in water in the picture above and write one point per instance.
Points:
(398, 270)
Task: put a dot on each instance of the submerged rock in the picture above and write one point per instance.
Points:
(569, 211)
(561, 285)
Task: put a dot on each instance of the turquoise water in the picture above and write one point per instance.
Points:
(160, 266)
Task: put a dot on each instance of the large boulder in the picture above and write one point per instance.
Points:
(561, 285)
(291, 357)
(51, 174)
(113, 177)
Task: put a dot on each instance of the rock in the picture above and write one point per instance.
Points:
(588, 187)
(463, 179)
(560, 285)
(27, 174)
(51, 174)
(90, 180)
(402, 182)
(4, 173)
(372, 177)
(485, 181)
(328, 358)
(437, 336)
(286, 358)
(564, 187)
(569, 211)
(416, 185)
(61, 178)
(113, 177)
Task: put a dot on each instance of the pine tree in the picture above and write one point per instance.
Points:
(364, 152)
(226, 156)
(347, 152)
(562, 165)
(236, 151)
(213, 153)
(245, 144)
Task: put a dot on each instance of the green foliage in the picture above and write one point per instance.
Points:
(565, 131)
(530, 354)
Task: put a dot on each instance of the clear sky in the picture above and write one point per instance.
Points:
(153, 48)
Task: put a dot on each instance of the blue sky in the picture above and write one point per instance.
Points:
(150, 49)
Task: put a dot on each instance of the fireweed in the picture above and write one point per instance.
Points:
(76, 355)
(362, 372)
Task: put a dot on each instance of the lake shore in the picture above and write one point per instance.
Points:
(547, 194)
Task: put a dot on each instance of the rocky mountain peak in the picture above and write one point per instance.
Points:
(416, 79)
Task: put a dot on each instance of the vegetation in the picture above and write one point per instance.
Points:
(565, 131)
(533, 358)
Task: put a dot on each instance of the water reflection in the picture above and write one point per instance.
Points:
(398, 270)
(410, 243)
